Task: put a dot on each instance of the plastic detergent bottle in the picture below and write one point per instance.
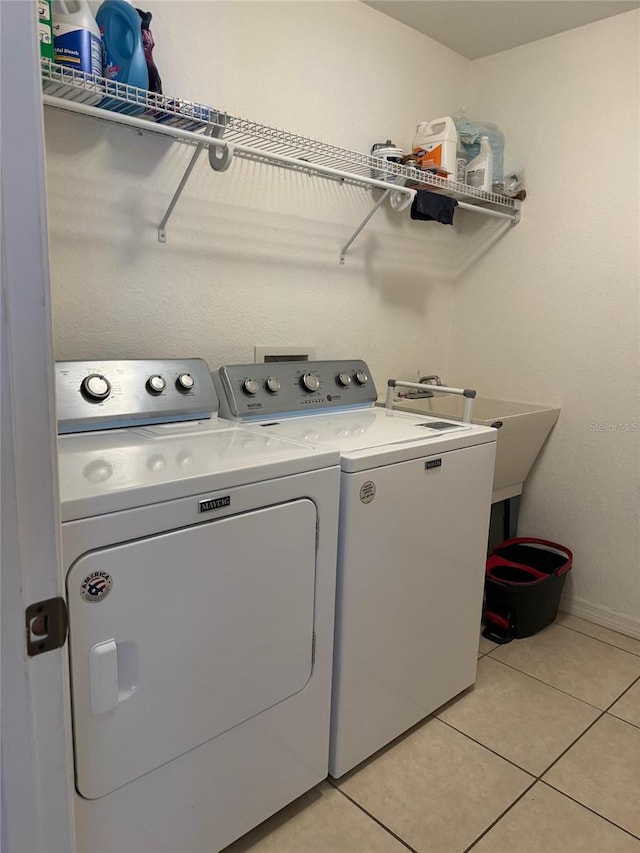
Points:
(435, 145)
(76, 36)
(119, 25)
(480, 170)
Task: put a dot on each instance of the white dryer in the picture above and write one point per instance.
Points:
(200, 567)
(415, 500)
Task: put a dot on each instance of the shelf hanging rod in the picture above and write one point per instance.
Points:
(190, 136)
(498, 214)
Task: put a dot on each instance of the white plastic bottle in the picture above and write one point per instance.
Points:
(435, 145)
(479, 172)
(76, 36)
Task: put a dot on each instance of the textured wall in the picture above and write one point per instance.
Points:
(253, 253)
(548, 313)
(551, 314)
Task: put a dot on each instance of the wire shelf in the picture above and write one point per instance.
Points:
(64, 86)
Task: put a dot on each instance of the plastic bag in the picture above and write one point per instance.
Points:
(470, 133)
(512, 185)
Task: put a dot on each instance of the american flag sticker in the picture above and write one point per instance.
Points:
(96, 586)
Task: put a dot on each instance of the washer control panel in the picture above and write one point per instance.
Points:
(93, 395)
(292, 387)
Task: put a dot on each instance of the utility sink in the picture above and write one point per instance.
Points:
(522, 430)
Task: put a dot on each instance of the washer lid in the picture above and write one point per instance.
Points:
(376, 436)
(104, 472)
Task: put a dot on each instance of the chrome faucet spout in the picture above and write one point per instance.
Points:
(430, 380)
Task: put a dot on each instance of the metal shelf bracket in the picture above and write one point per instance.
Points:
(399, 200)
(162, 228)
(220, 162)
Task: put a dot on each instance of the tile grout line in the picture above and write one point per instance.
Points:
(538, 778)
(589, 727)
(488, 748)
(559, 689)
(608, 710)
(535, 778)
(622, 720)
(500, 816)
(606, 642)
(589, 809)
(382, 825)
(565, 751)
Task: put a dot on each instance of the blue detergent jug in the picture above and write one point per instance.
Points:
(120, 28)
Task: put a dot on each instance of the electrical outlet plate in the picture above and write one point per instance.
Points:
(282, 352)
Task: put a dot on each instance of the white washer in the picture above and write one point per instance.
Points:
(414, 515)
(200, 576)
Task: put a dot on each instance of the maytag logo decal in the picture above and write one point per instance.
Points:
(96, 586)
(215, 503)
(432, 463)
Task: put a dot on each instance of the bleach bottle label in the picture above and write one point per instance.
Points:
(77, 48)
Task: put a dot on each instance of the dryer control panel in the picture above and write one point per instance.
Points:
(93, 395)
(259, 391)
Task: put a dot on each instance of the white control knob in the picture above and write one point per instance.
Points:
(156, 384)
(361, 377)
(156, 462)
(97, 471)
(344, 379)
(310, 382)
(95, 387)
(185, 382)
(273, 384)
(250, 386)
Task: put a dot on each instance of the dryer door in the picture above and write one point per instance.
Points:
(178, 637)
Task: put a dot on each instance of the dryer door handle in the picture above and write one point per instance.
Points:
(103, 677)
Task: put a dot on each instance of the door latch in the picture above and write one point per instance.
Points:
(46, 625)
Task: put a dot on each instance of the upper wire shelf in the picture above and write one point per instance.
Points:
(226, 136)
(112, 98)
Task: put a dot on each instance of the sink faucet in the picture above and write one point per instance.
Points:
(424, 380)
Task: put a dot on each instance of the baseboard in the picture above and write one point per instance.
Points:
(601, 616)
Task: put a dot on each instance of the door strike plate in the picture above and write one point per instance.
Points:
(46, 626)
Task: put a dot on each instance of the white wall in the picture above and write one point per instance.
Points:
(551, 313)
(252, 254)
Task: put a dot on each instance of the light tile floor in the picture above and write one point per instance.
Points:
(542, 755)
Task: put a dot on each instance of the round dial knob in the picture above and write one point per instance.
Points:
(344, 379)
(310, 382)
(96, 387)
(97, 471)
(156, 462)
(185, 382)
(250, 386)
(273, 384)
(361, 377)
(156, 384)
